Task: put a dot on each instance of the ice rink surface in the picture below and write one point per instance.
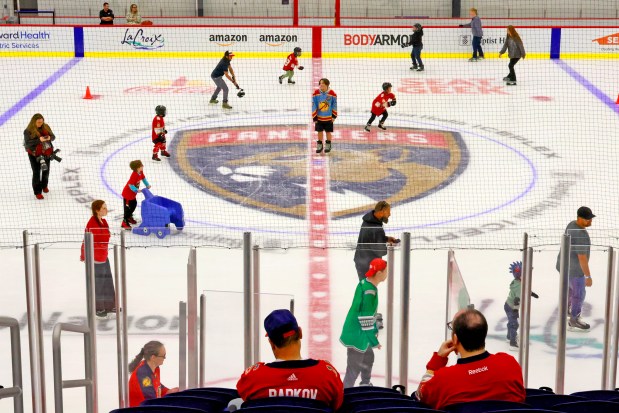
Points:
(510, 160)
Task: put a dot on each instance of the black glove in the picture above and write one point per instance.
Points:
(301, 68)
(516, 301)
(315, 118)
(460, 25)
(160, 138)
(334, 116)
(165, 131)
(534, 295)
(392, 103)
(404, 45)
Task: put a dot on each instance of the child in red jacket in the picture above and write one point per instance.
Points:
(159, 133)
(130, 192)
(379, 106)
(289, 65)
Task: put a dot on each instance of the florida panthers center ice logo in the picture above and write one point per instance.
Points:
(266, 167)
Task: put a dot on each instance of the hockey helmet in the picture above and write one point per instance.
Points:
(160, 110)
(386, 86)
(515, 268)
(297, 51)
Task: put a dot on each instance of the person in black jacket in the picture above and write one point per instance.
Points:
(417, 47)
(372, 239)
(38, 139)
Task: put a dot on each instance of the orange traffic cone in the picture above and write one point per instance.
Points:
(87, 95)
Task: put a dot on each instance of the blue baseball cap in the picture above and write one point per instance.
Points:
(280, 324)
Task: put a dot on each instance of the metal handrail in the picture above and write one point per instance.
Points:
(389, 315)
(16, 390)
(60, 384)
(405, 307)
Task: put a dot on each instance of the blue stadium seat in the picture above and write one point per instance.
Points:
(232, 392)
(368, 389)
(204, 404)
(541, 390)
(222, 397)
(287, 401)
(157, 409)
(589, 406)
(280, 409)
(598, 394)
(402, 410)
(378, 403)
(483, 406)
(547, 401)
(375, 395)
(532, 410)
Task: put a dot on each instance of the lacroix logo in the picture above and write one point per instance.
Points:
(612, 40)
(376, 39)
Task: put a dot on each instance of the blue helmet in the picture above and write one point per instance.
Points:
(515, 268)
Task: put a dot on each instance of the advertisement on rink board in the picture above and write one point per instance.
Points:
(599, 41)
(36, 39)
(455, 40)
(171, 40)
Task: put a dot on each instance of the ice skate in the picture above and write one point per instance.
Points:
(506, 79)
(226, 106)
(327, 146)
(101, 315)
(367, 128)
(132, 221)
(215, 101)
(165, 153)
(291, 82)
(420, 68)
(319, 147)
(511, 83)
(414, 67)
(473, 59)
(382, 126)
(577, 325)
(39, 196)
(156, 158)
(125, 225)
(280, 79)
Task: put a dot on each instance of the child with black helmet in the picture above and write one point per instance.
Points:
(291, 62)
(159, 133)
(379, 106)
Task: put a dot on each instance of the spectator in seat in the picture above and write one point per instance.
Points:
(133, 17)
(290, 375)
(145, 380)
(477, 375)
(106, 16)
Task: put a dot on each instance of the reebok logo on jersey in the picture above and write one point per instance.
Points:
(479, 370)
(292, 377)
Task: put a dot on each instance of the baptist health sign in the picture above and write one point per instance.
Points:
(39, 41)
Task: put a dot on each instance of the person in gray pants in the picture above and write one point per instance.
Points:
(222, 69)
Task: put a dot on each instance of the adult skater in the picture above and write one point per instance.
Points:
(478, 33)
(222, 69)
(105, 297)
(515, 50)
(324, 112)
(417, 43)
(145, 381)
(38, 138)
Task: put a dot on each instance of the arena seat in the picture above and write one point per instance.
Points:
(280, 409)
(204, 404)
(288, 402)
(369, 389)
(589, 406)
(157, 409)
(547, 401)
(598, 394)
(222, 397)
(402, 410)
(483, 406)
(378, 403)
(375, 395)
(541, 390)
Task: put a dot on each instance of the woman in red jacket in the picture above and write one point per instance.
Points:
(145, 381)
(104, 285)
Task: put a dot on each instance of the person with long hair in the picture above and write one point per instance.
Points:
(133, 17)
(105, 296)
(37, 141)
(145, 380)
(515, 50)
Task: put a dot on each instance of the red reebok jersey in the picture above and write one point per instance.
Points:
(134, 180)
(482, 377)
(378, 105)
(291, 62)
(311, 379)
(158, 126)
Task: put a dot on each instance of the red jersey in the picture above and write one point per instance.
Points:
(134, 181)
(311, 379)
(291, 62)
(145, 384)
(379, 104)
(482, 377)
(158, 126)
(100, 237)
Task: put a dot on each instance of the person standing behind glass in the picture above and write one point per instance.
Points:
(133, 17)
(106, 16)
(477, 33)
(105, 297)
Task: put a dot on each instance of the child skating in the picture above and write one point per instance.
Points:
(291, 62)
(512, 304)
(379, 107)
(159, 134)
(130, 192)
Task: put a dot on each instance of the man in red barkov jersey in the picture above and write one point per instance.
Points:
(478, 375)
(290, 375)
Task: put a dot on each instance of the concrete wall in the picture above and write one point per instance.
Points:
(351, 8)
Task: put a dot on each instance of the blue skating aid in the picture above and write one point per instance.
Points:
(157, 214)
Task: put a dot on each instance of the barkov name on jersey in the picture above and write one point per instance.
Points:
(304, 393)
